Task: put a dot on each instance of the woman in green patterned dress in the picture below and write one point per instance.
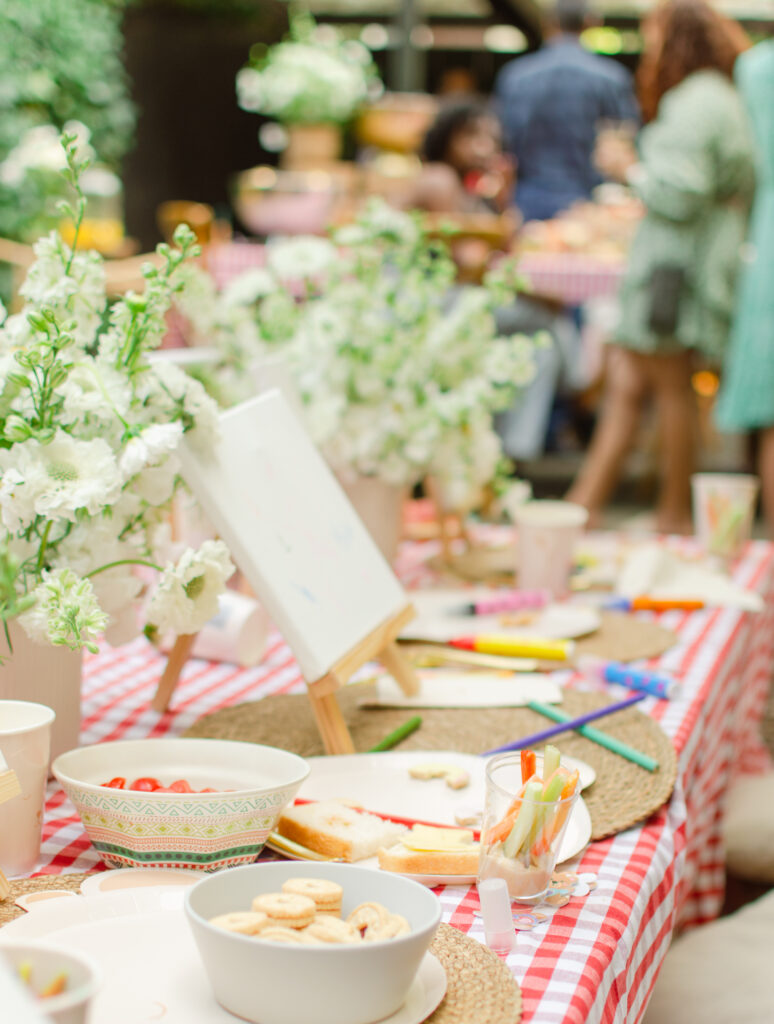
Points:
(746, 399)
(695, 174)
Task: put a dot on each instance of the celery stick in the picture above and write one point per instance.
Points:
(522, 825)
(550, 760)
(553, 789)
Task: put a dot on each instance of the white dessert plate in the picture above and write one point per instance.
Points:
(150, 962)
(381, 783)
(439, 619)
(120, 879)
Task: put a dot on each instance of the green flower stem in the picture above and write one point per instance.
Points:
(43, 545)
(123, 561)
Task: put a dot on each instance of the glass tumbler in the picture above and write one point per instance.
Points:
(522, 833)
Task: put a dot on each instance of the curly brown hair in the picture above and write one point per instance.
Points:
(690, 36)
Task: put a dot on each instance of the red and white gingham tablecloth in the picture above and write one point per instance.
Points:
(597, 959)
(571, 278)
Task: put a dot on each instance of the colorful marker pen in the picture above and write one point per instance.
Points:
(506, 601)
(646, 681)
(512, 645)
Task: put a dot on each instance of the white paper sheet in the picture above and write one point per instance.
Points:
(657, 572)
(449, 689)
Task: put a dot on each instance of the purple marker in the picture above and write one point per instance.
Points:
(507, 601)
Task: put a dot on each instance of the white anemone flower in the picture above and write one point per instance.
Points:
(187, 594)
(56, 480)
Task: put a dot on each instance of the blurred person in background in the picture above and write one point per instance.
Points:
(464, 169)
(695, 176)
(466, 173)
(746, 400)
(552, 104)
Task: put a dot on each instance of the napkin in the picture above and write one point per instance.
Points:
(440, 688)
(658, 572)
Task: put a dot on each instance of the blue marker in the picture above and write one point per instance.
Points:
(646, 681)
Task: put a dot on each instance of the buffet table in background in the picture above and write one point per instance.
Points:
(598, 959)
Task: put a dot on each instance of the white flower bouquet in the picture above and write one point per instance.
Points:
(88, 431)
(311, 77)
(399, 370)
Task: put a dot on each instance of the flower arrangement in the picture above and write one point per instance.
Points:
(313, 76)
(399, 371)
(60, 63)
(88, 430)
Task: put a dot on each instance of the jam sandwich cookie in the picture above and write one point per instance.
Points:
(286, 908)
(325, 928)
(244, 922)
(326, 895)
(291, 936)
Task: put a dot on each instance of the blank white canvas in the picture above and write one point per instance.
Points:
(293, 532)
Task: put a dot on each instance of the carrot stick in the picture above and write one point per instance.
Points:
(528, 765)
(553, 828)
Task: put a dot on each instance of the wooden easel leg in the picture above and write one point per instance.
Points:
(178, 656)
(330, 721)
(396, 663)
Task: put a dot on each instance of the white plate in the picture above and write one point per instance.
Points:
(151, 964)
(120, 879)
(438, 618)
(381, 783)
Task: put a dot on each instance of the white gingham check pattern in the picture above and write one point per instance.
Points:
(598, 960)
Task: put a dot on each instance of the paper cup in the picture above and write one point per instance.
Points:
(723, 511)
(238, 633)
(548, 532)
(25, 740)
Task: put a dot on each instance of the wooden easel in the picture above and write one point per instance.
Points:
(380, 645)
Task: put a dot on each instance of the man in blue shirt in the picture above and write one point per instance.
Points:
(552, 103)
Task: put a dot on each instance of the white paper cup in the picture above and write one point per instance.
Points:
(723, 511)
(548, 533)
(238, 633)
(25, 740)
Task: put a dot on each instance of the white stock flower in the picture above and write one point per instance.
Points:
(247, 288)
(307, 256)
(150, 447)
(65, 612)
(187, 593)
(56, 480)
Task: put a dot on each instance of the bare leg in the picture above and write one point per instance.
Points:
(670, 376)
(766, 471)
(625, 390)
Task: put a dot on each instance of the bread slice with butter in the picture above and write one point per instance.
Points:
(427, 850)
(337, 830)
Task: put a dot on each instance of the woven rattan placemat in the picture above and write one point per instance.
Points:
(623, 794)
(622, 637)
(481, 989)
(22, 886)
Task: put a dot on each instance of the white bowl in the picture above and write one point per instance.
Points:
(274, 983)
(46, 962)
(194, 830)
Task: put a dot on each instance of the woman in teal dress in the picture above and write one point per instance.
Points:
(694, 173)
(746, 400)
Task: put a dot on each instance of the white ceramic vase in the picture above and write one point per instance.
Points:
(380, 506)
(45, 675)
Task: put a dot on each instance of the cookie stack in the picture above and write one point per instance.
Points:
(308, 912)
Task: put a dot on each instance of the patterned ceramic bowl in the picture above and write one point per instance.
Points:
(194, 830)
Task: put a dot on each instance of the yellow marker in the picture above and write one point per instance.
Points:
(516, 646)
